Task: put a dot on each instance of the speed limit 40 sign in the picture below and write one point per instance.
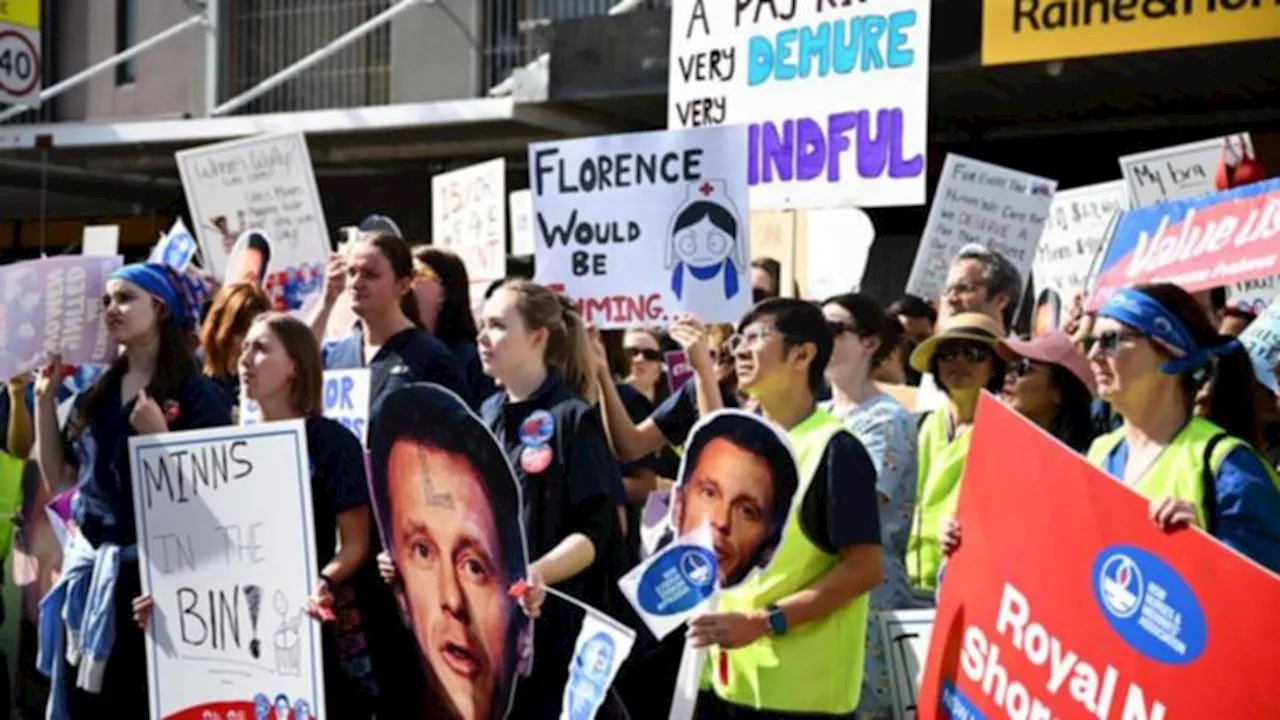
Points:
(19, 51)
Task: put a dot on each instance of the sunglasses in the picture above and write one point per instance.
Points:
(970, 353)
(838, 328)
(1022, 367)
(644, 354)
(425, 273)
(1108, 342)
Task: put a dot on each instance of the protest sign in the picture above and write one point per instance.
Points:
(54, 306)
(1179, 172)
(440, 480)
(640, 227)
(977, 202)
(905, 635)
(773, 235)
(833, 250)
(469, 218)
(263, 183)
(674, 583)
(602, 646)
(227, 550)
(1073, 236)
(1066, 601)
(679, 371)
(100, 240)
(346, 401)
(1212, 240)
(834, 95)
(176, 249)
(520, 208)
(1262, 340)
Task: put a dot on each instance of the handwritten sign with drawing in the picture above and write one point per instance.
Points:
(469, 218)
(978, 202)
(227, 549)
(835, 99)
(261, 183)
(641, 226)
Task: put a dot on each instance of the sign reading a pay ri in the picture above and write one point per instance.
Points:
(834, 94)
(640, 227)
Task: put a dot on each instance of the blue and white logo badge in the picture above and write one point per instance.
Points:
(679, 578)
(1149, 605)
(538, 428)
(589, 676)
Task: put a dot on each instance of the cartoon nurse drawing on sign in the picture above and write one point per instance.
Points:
(706, 251)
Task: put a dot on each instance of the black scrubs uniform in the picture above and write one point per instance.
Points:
(569, 483)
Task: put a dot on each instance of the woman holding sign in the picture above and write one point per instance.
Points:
(154, 387)
(280, 370)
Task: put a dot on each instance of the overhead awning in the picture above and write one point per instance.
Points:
(404, 132)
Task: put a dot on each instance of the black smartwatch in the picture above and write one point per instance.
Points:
(777, 620)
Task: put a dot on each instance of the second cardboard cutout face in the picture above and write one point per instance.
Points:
(738, 476)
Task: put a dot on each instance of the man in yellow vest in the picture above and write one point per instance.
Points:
(788, 642)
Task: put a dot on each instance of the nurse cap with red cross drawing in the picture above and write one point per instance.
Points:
(706, 239)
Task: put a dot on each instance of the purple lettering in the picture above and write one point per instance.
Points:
(811, 149)
(800, 149)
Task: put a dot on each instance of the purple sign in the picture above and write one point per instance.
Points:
(679, 371)
(52, 306)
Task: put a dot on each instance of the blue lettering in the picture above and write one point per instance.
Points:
(866, 43)
(814, 43)
(899, 56)
(337, 393)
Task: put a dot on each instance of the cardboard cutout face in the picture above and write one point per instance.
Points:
(250, 258)
(449, 510)
(738, 475)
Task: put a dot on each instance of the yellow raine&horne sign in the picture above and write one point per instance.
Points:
(1015, 31)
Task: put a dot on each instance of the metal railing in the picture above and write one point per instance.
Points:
(261, 37)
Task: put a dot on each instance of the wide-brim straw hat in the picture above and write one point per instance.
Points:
(975, 327)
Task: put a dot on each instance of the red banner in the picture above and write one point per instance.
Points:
(1065, 601)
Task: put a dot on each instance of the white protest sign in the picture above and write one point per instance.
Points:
(20, 78)
(674, 583)
(227, 551)
(640, 227)
(1179, 172)
(176, 249)
(835, 95)
(837, 245)
(346, 401)
(469, 218)
(260, 183)
(520, 206)
(100, 240)
(1072, 238)
(978, 202)
(54, 306)
(602, 646)
(906, 635)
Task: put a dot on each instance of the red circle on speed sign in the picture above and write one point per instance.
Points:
(24, 46)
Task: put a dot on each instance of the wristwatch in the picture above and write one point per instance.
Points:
(777, 620)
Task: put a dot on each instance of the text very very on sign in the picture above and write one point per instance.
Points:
(838, 46)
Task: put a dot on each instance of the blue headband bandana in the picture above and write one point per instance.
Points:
(161, 283)
(1144, 314)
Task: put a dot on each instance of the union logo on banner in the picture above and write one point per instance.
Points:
(1213, 240)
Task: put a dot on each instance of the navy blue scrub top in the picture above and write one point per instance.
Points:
(677, 415)
(421, 358)
(103, 507)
